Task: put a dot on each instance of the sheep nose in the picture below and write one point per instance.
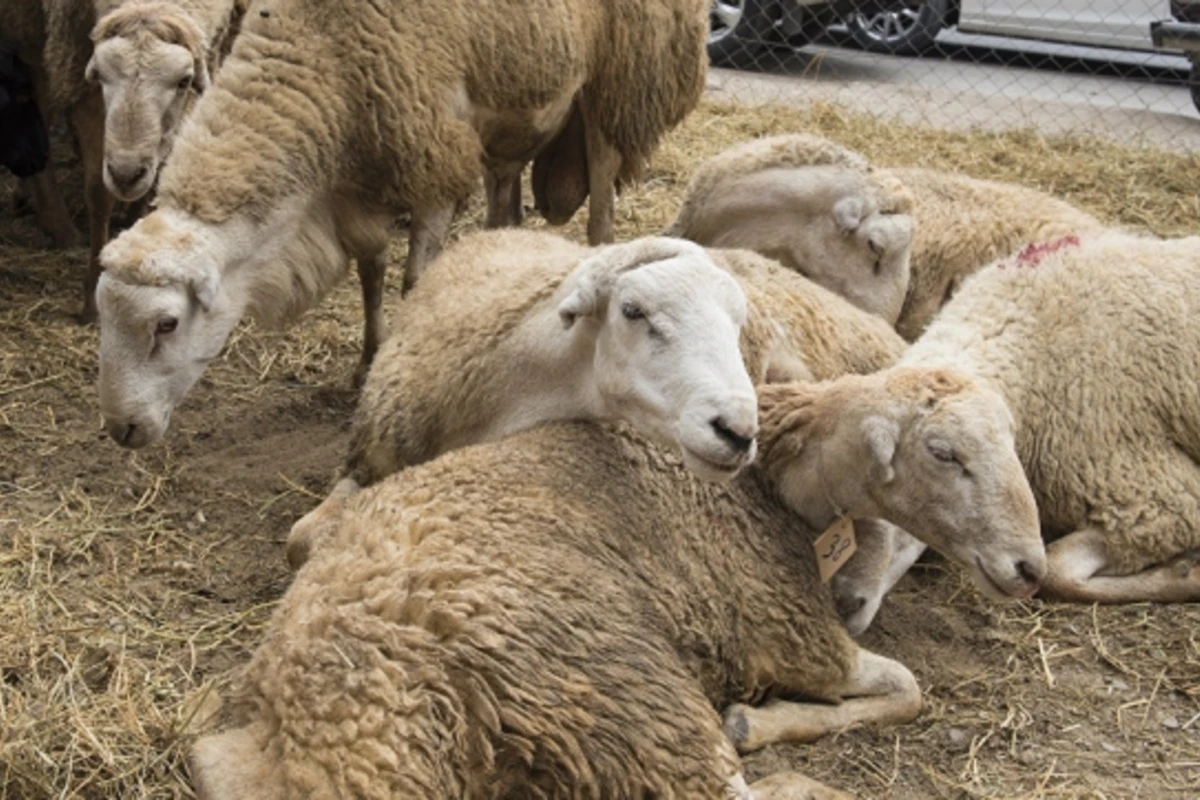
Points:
(126, 175)
(739, 441)
(122, 433)
(1030, 574)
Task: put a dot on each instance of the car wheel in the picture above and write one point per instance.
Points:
(737, 32)
(909, 30)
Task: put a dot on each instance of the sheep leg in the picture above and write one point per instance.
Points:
(318, 523)
(42, 193)
(428, 231)
(370, 274)
(1075, 564)
(793, 786)
(879, 690)
(87, 119)
(885, 553)
(503, 186)
(604, 164)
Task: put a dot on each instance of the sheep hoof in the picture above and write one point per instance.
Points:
(360, 375)
(89, 315)
(737, 728)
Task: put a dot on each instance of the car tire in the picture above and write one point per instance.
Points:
(738, 32)
(910, 30)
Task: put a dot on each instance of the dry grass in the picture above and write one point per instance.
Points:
(130, 584)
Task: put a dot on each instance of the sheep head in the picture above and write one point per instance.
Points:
(150, 62)
(164, 314)
(929, 450)
(664, 322)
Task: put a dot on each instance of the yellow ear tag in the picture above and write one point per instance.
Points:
(835, 546)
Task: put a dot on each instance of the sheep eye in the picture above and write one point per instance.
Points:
(632, 311)
(943, 454)
(184, 83)
(876, 250)
(166, 325)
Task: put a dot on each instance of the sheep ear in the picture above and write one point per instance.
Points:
(882, 435)
(579, 303)
(204, 286)
(200, 78)
(848, 212)
(89, 72)
(596, 275)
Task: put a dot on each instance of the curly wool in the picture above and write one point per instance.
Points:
(1096, 348)
(521, 637)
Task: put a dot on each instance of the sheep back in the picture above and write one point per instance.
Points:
(963, 224)
(524, 633)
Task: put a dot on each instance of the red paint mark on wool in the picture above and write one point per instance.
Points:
(1032, 254)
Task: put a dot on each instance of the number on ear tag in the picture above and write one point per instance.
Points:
(835, 546)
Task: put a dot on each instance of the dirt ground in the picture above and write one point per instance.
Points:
(132, 583)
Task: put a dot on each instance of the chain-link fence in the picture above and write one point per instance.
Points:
(1122, 69)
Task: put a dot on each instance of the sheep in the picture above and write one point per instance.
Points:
(151, 59)
(814, 205)
(23, 27)
(325, 122)
(24, 145)
(1093, 342)
(484, 355)
(570, 626)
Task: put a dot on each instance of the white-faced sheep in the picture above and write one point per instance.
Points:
(485, 355)
(324, 123)
(820, 208)
(1094, 343)
(571, 626)
(124, 74)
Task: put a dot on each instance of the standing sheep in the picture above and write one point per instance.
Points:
(23, 27)
(485, 355)
(570, 626)
(124, 74)
(815, 206)
(1094, 343)
(326, 121)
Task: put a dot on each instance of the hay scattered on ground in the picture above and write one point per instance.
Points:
(132, 583)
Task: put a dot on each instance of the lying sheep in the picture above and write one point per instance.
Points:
(319, 128)
(815, 206)
(124, 75)
(812, 205)
(484, 353)
(531, 635)
(1094, 343)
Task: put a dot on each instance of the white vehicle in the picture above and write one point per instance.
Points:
(1123, 24)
